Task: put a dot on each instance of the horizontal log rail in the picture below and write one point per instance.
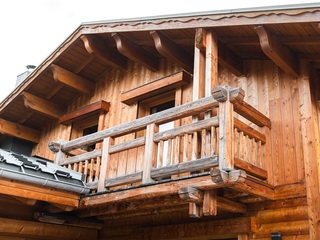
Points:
(219, 142)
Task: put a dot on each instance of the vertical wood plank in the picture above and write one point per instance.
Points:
(311, 151)
(210, 202)
(107, 142)
(150, 153)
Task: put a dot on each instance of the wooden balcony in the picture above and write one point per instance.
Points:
(219, 143)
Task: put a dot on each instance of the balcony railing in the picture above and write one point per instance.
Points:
(216, 132)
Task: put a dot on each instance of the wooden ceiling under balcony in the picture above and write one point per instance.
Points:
(93, 49)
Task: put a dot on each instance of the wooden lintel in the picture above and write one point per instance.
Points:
(277, 52)
(42, 106)
(44, 230)
(19, 131)
(230, 60)
(72, 80)
(103, 53)
(169, 49)
(191, 194)
(156, 87)
(84, 112)
(135, 52)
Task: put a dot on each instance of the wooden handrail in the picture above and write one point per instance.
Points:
(228, 100)
(188, 109)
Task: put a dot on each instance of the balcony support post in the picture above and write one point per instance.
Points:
(150, 153)
(226, 133)
(105, 157)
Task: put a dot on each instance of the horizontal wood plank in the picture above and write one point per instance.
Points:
(251, 169)
(84, 112)
(155, 87)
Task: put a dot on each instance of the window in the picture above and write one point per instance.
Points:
(154, 105)
(85, 127)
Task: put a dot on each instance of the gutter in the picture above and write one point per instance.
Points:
(14, 166)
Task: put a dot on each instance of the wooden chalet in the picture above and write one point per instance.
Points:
(192, 126)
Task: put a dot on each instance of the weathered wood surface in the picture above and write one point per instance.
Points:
(184, 110)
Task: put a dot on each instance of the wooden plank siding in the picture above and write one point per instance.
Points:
(266, 87)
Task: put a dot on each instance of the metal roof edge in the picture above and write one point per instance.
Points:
(213, 12)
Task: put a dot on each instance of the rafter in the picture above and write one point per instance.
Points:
(172, 51)
(42, 106)
(19, 131)
(277, 52)
(103, 53)
(72, 80)
(135, 52)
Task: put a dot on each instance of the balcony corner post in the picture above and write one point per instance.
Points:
(226, 125)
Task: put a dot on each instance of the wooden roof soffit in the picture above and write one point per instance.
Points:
(277, 52)
(156, 87)
(103, 53)
(72, 80)
(226, 57)
(19, 131)
(42, 106)
(135, 52)
(84, 112)
(169, 49)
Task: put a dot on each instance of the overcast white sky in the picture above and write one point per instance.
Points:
(32, 29)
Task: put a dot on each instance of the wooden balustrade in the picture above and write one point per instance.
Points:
(221, 141)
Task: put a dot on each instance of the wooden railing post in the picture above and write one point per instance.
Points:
(226, 133)
(105, 157)
(150, 153)
(55, 147)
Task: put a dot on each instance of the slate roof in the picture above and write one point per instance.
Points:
(40, 172)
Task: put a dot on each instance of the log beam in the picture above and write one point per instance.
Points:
(191, 194)
(103, 53)
(44, 230)
(72, 80)
(42, 106)
(169, 49)
(19, 131)
(135, 52)
(277, 52)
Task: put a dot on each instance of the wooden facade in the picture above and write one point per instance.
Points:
(240, 159)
